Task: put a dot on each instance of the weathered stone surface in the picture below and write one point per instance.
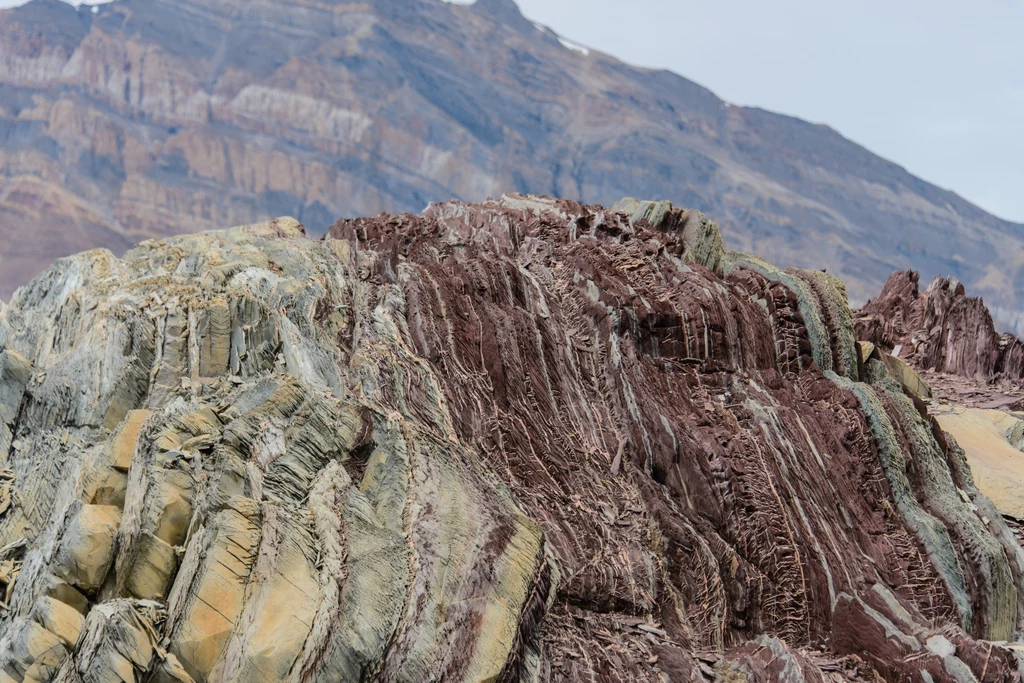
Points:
(990, 439)
(522, 440)
(822, 306)
(60, 619)
(15, 372)
(948, 347)
(86, 546)
(701, 240)
(871, 359)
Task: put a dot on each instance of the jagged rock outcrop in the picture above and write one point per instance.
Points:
(940, 329)
(150, 118)
(522, 440)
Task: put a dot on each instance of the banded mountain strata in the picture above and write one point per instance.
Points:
(521, 440)
(141, 119)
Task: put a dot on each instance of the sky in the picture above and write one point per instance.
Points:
(936, 86)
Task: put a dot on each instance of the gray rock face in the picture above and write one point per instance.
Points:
(157, 117)
(516, 441)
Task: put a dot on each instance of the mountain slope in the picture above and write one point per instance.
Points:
(161, 116)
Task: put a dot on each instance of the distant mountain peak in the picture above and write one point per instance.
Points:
(506, 12)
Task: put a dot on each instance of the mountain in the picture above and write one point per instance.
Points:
(147, 118)
(514, 441)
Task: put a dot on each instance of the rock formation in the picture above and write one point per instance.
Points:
(150, 118)
(516, 441)
(940, 329)
(976, 373)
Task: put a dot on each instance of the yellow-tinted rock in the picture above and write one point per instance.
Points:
(104, 478)
(107, 487)
(35, 651)
(150, 574)
(87, 547)
(218, 593)
(865, 350)
(60, 619)
(500, 615)
(281, 603)
(114, 667)
(285, 226)
(170, 670)
(123, 445)
(900, 371)
(997, 466)
(895, 367)
(62, 591)
(118, 643)
(170, 512)
(169, 441)
(200, 421)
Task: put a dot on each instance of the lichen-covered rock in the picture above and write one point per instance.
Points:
(875, 364)
(516, 441)
(822, 304)
(702, 241)
(944, 344)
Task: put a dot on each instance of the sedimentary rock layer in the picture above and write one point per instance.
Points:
(522, 440)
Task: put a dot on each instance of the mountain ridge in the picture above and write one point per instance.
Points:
(170, 117)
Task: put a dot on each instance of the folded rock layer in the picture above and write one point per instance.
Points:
(514, 441)
(977, 374)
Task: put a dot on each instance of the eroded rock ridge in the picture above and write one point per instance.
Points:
(520, 440)
(940, 329)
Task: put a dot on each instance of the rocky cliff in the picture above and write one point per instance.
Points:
(516, 441)
(157, 117)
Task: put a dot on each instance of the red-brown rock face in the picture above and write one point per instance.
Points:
(521, 440)
(940, 329)
(672, 429)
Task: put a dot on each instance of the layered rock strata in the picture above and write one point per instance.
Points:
(949, 351)
(516, 441)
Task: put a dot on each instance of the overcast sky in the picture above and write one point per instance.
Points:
(934, 85)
